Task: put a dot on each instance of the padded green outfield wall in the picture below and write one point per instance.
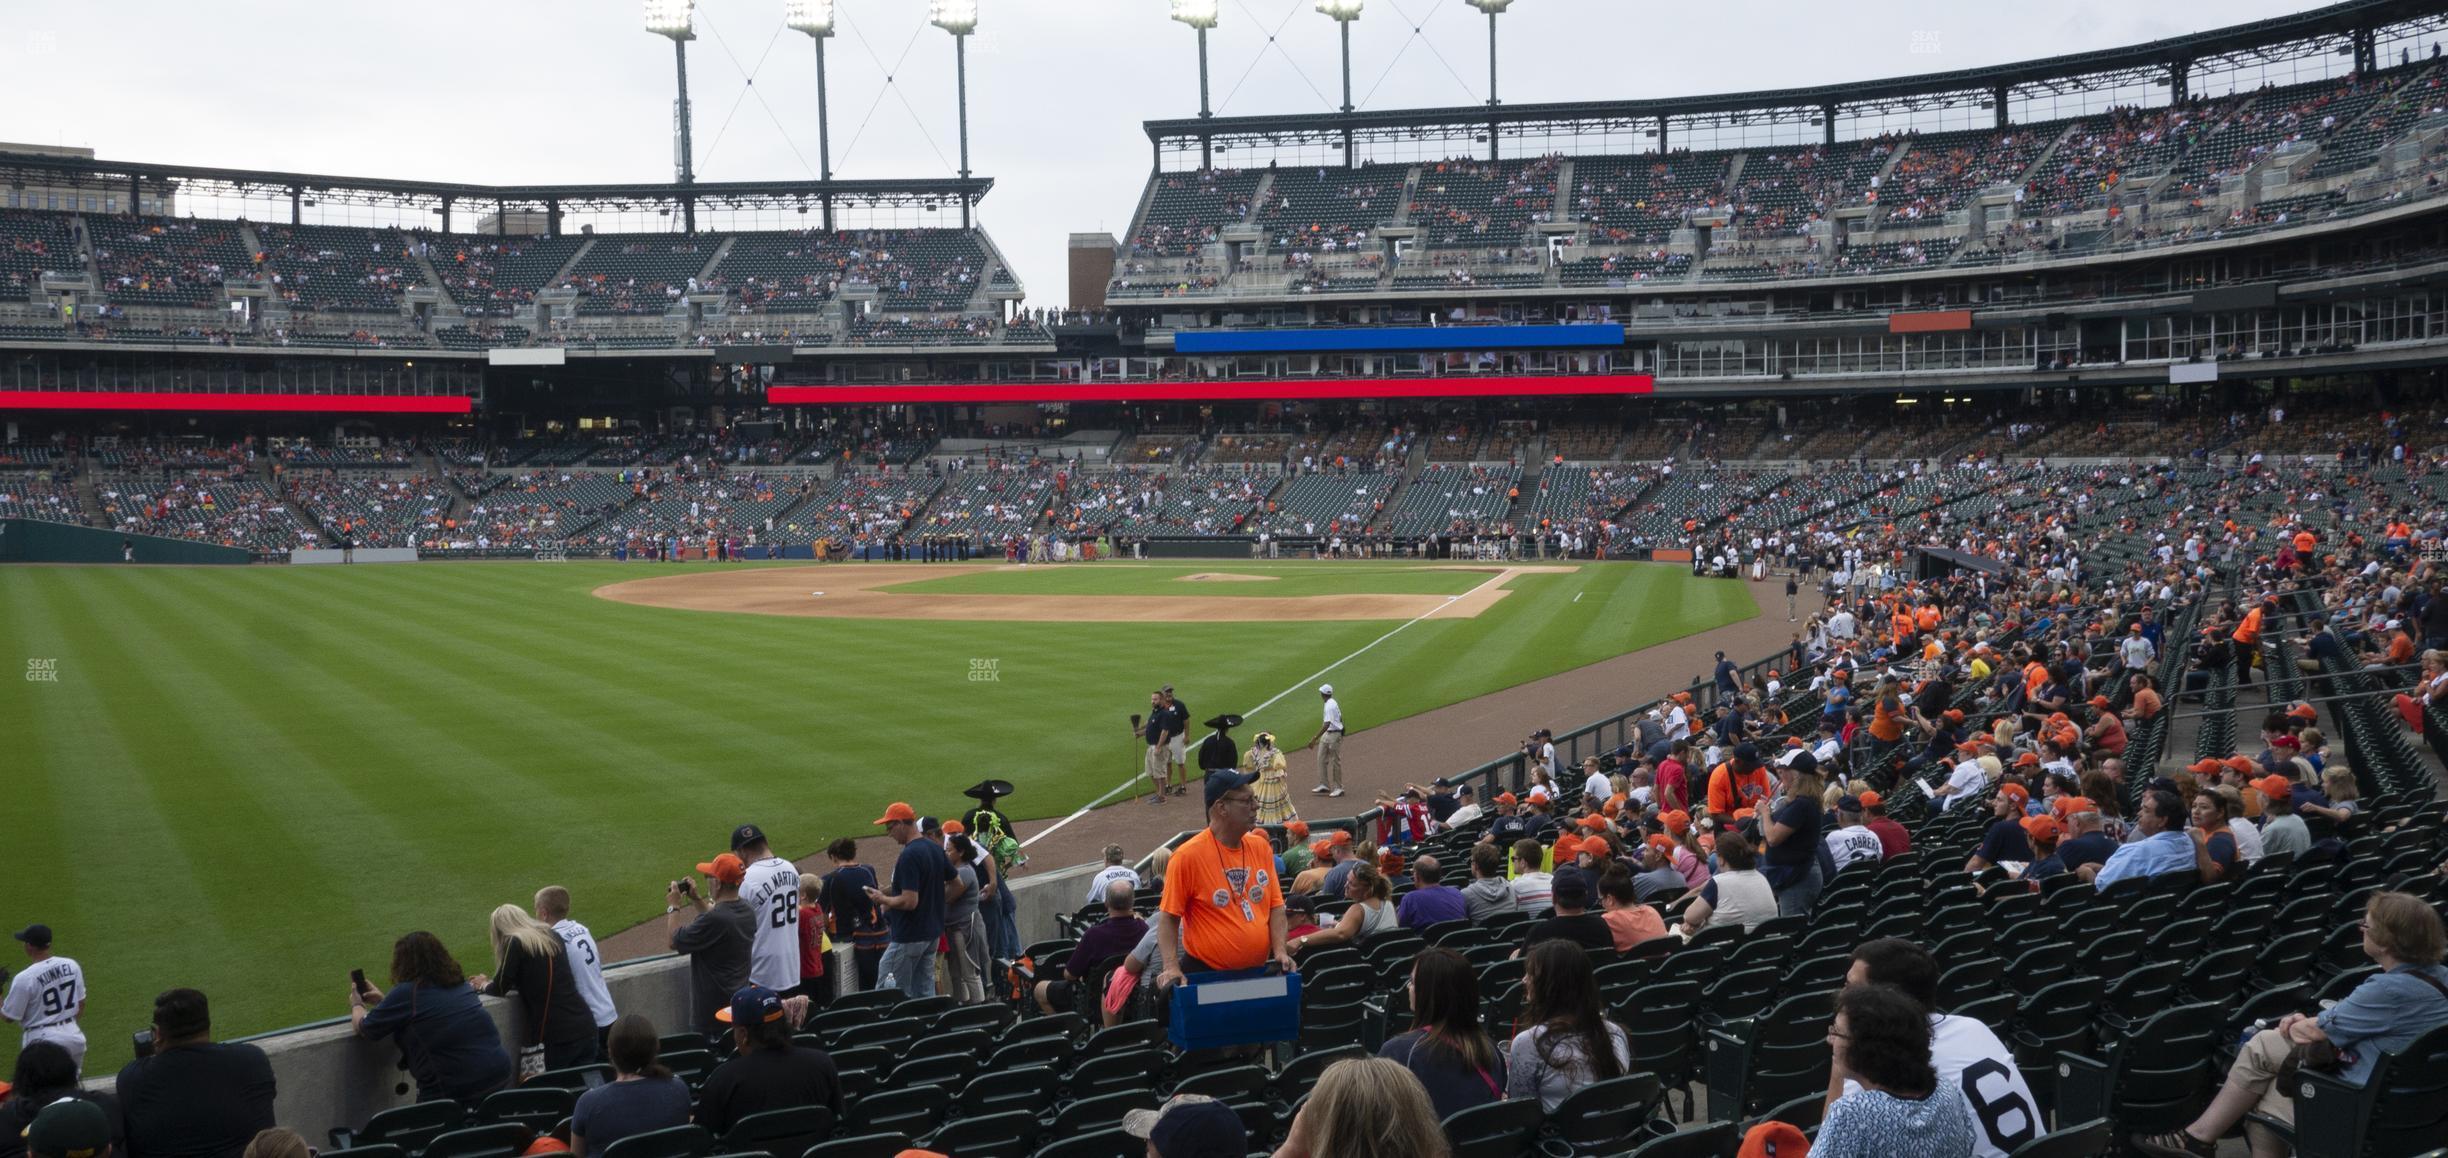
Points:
(31, 541)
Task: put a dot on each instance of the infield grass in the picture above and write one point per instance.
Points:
(251, 780)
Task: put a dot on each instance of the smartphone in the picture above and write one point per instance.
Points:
(142, 1043)
(357, 978)
(688, 887)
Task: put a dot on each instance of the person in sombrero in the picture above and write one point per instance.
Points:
(1272, 789)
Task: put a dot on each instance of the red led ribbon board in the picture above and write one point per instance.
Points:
(1318, 389)
(261, 403)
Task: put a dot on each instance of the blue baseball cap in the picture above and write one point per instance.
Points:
(752, 1005)
(1219, 783)
(1190, 1126)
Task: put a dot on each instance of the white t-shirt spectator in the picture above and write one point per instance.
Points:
(1596, 790)
(586, 965)
(1108, 875)
(1534, 891)
(771, 889)
(1965, 780)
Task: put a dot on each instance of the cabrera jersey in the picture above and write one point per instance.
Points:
(772, 890)
(1970, 1058)
(48, 995)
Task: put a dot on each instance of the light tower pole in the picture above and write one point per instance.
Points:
(815, 17)
(671, 18)
(959, 17)
(1492, 8)
(1343, 12)
(1201, 15)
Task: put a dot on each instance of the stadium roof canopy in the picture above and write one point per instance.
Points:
(442, 196)
(2351, 28)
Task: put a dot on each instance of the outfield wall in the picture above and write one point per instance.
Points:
(32, 541)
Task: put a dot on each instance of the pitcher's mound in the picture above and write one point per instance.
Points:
(1227, 577)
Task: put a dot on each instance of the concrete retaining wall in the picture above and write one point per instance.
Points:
(329, 1077)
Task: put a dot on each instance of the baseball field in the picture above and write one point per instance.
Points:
(251, 780)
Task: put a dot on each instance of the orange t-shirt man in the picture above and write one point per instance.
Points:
(2248, 632)
(2305, 541)
(2146, 703)
(1224, 899)
(1886, 720)
(1730, 791)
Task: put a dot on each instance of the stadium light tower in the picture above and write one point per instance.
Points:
(815, 17)
(1492, 8)
(672, 18)
(1343, 12)
(960, 18)
(1201, 15)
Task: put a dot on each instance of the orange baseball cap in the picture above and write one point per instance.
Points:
(2017, 791)
(1596, 846)
(1320, 849)
(725, 868)
(2275, 787)
(1507, 798)
(1339, 837)
(1870, 799)
(1677, 822)
(954, 827)
(2100, 702)
(1565, 846)
(1298, 828)
(1661, 840)
(1954, 715)
(1774, 1140)
(2205, 767)
(2028, 760)
(2065, 806)
(2242, 763)
(2041, 827)
(1593, 823)
(2304, 712)
(899, 813)
(547, 1145)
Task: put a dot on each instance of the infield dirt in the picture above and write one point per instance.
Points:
(851, 592)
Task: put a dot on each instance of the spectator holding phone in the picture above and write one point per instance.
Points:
(444, 1033)
(717, 942)
(192, 1098)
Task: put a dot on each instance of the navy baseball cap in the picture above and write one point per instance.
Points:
(38, 936)
(1190, 1126)
(752, 1005)
(1219, 783)
(1570, 884)
(745, 835)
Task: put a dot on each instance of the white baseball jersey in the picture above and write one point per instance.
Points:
(47, 996)
(1334, 715)
(1968, 1056)
(1108, 875)
(1847, 845)
(587, 966)
(772, 890)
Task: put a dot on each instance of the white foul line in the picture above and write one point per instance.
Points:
(1133, 782)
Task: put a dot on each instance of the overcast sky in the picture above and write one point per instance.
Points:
(505, 91)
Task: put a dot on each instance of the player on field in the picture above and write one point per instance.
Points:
(48, 997)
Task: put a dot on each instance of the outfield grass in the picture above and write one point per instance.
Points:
(251, 780)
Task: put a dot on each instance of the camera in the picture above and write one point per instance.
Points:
(143, 1043)
(687, 887)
